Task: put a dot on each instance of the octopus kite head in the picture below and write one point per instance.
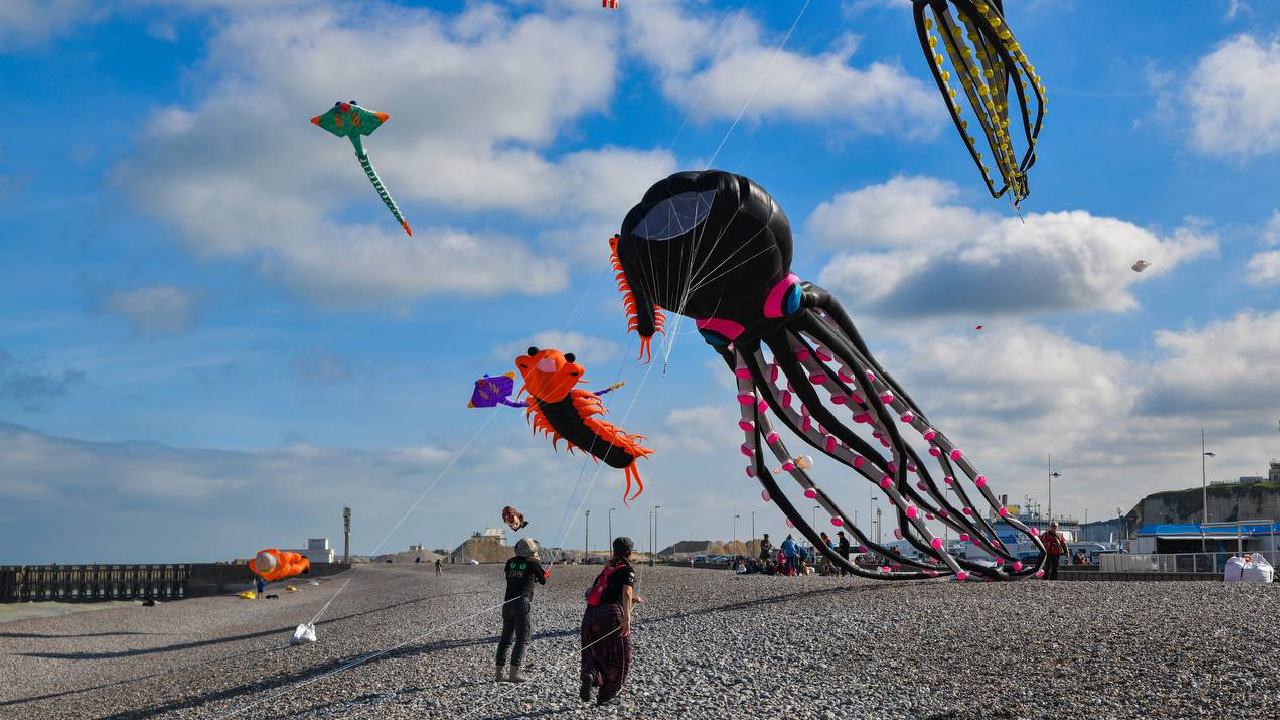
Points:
(549, 374)
(710, 245)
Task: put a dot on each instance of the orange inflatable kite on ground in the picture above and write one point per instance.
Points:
(272, 564)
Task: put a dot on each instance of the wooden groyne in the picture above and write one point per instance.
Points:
(97, 583)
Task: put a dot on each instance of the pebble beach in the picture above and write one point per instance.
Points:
(398, 642)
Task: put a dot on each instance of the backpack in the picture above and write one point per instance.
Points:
(602, 582)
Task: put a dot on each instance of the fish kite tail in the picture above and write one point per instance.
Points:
(382, 191)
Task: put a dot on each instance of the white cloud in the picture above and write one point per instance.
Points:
(699, 429)
(710, 65)
(474, 101)
(1227, 368)
(24, 23)
(1271, 232)
(154, 310)
(1234, 98)
(588, 349)
(1264, 268)
(914, 255)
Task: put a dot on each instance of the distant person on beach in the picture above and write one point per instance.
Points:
(1056, 546)
(262, 587)
(844, 548)
(438, 567)
(521, 571)
(789, 554)
(766, 548)
(606, 627)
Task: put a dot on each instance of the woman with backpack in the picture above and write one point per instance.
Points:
(606, 627)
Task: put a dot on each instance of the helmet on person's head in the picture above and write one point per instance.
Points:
(527, 547)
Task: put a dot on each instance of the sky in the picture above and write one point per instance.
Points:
(213, 336)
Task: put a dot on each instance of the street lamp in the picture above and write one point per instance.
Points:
(735, 525)
(587, 543)
(650, 528)
(656, 546)
(611, 527)
(1204, 488)
(1052, 474)
(752, 550)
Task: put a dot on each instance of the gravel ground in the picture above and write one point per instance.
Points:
(708, 645)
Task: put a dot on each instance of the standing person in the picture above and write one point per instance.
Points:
(789, 552)
(262, 587)
(438, 567)
(522, 571)
(844, 549)
(766, 548)
(606, 627)
(1056, 546)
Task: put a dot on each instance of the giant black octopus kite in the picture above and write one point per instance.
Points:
(716, 247)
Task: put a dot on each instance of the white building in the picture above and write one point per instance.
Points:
(317, 551)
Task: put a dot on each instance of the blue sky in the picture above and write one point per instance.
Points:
(213, 336)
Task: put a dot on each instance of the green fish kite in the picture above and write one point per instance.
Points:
(350, 121)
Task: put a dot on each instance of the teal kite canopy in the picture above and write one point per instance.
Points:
(349, 120)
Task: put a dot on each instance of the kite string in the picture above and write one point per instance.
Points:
(443, 471)
(759, 82)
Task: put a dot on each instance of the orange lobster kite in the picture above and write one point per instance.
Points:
(567, 413)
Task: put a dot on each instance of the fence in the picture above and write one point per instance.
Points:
(1174, 563)
(89, 583)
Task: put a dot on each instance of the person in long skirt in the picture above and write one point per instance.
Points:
(606, 627)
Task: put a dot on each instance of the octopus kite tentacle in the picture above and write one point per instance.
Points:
(558, 409)
(717, 247)
(645, 323)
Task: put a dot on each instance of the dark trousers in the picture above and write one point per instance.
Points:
(515, 626)
(844, 554)
(1051, 567)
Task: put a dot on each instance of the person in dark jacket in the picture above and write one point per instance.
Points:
(521, 571)
(844, 548)
(766, 548)
(606, 627)
(1055, 545)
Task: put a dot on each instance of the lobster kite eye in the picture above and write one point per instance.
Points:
(570, 357)
(532, 351)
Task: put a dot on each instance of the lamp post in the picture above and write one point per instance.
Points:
(649, 520)
(586, 544)
(656, 546)
(1204, 489)
(1052, 474)
(752, 550)
(611, 527)
(735, 525)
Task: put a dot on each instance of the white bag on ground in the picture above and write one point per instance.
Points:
(303, 634)
(1258, 571)
(1235, 567)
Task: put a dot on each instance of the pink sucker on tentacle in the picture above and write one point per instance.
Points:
(746, 450)
(908, 417)
(980, 481)
(871, 377)
(934, 452)
(956, 454)
(886, 482)
(762, 407)
(863, 418)
(818, 378)
(772, 437)
(858, 461)
(837, 522)
(743, 373)
(773, 372)
(822, 430)
(962, 575)
(843, 376)
(751, 471)
(1004, 512)
(788, 466)
(786, 399)
(764, 495)
(877, 435)
(967, 511)
(928, 516)
(746, 425)
(891, 466)
(822, 354)
(855, 398)
(746, 399)
(948, 480)
(1035, 531)
(804, 410)
(802, 355)
(862, 548)
(1017, 566)
(790, 388)
(805, 423)
(789, 524)
(810, 493)
(911, 468)
(837, 399)
(921, 486)
(964, 537)
(930, 434)
(884, 442)
(886, 398)
(897, 533)
(1040, 574)
(831, 444)
(912, 512)
(936, 543)
(942, 514)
